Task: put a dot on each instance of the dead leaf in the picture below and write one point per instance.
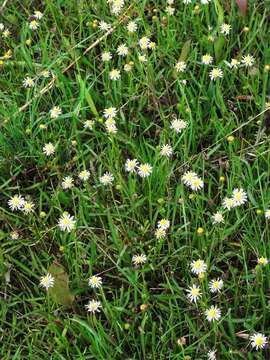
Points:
(243, 6)
(60, 292)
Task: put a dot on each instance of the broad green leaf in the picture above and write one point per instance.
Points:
(185, 50)
(60, 292)
(86, 95)
(219, 44)
(220, 12)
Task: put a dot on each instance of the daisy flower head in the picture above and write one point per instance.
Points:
(267, 213)
(186, 2)
(117, 6)
(114, 74)
(106, 179)
(178, 125)
(47, 281)
(215, 285)
(194, 293)
(215, 74)
(28, 207)
(95, 282)
(67, 183)
(14, 235)
(198, 267)
(196, 184)
(6, 33)
(131, 165)
(234, 63)
(93, 306)
(205, 2)
(218, 218)
(225, 29)
(144, 43)
(33, 25)
(166, 150)
(139, 259)
(258, 341)
(160, 233)
(228, 203)
(89, 124)
(84, 175)
(211, 355)
(110, 125)
(170, 10)
(239, 197)
(262, 261)
(66, 222)
(163, 224)
(110, 113)
(38, 14)
(103, 26)
(132, 27)
(189, 177)
(180, 66)
(106, 56)
(142, 58)
(16, 202)
(144, 170)
(28, 82)
(122, 50)
(55, 112)
(248, 60)
(213, 313)
(48, 149)
(207, 59)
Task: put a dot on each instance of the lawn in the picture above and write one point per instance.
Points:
(134, 158)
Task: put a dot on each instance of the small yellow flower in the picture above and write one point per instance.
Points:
(200, 231)
(222, 179)
(259, 212)
(230, 138)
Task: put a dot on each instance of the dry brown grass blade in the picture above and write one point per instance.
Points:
(243, 6)
(51, 83)
(3, 6)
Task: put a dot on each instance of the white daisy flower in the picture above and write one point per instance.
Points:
(16, 202)
(258, 341)
(66, 222)
(166, 150)
(55, 112)
(67, 183)
(122, 50)
(28, 82)
(106, 179)
(178, 125)
(131, 165)
(95, 282)
(145, 170)
(239, 197)
(180, 66)
(218, 218)
(139, 259)
(163, 224)
(84, 175)
(47, 281)
(215, 285)
(194, 293)
(114, 74)
(132, 26)
(106, 56)
(213, 313)
(48, 149)
(93, 306)
(215, 74)
(198, 267)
